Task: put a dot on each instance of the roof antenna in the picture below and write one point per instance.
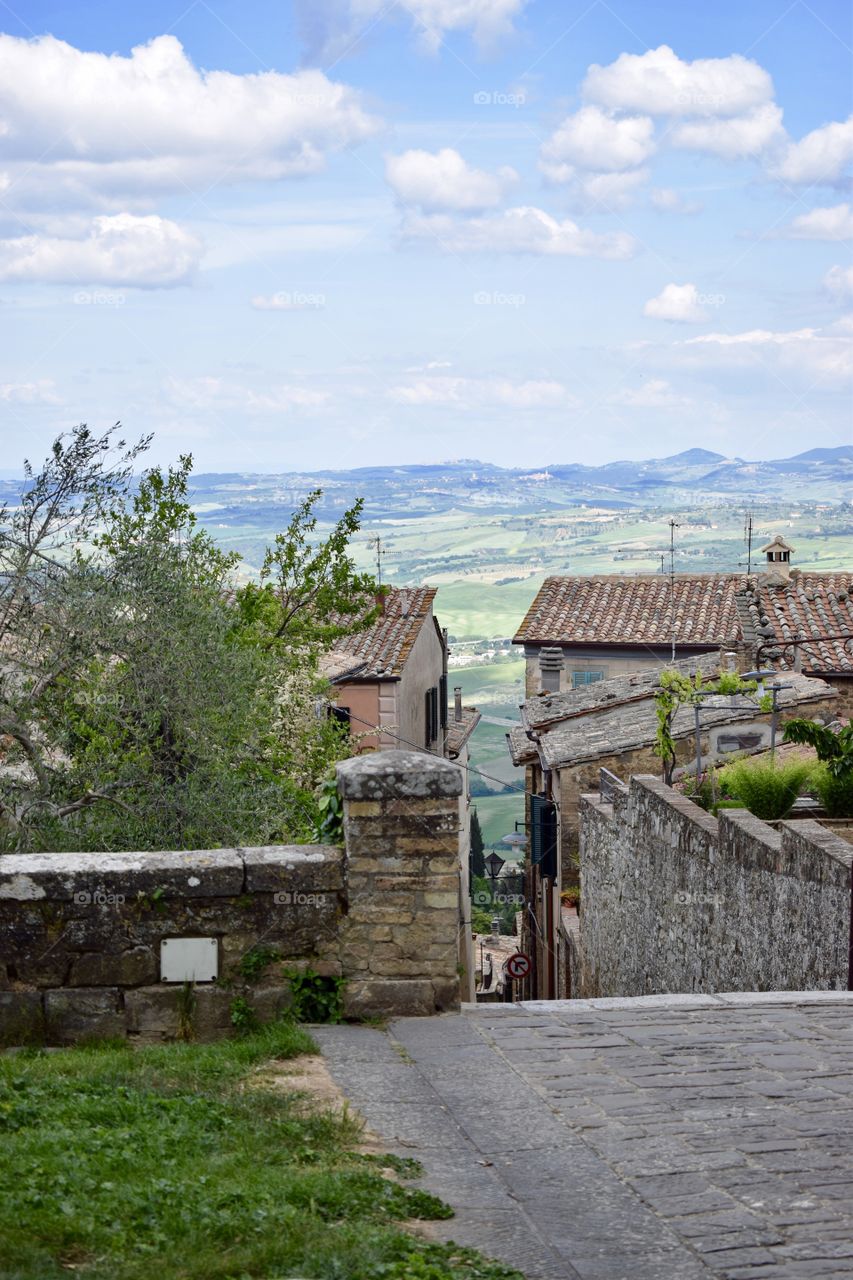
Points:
(377, 541)
(672, 528)
(747, 533)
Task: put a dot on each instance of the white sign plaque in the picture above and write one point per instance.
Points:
(189, 959)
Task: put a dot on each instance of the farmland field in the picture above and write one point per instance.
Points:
(487, 544)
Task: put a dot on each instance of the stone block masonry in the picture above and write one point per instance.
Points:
(674, 900)
(81, 934)
(401, 832)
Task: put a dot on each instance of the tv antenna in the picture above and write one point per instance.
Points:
(377, 542)
(747, 537)
(673, 525)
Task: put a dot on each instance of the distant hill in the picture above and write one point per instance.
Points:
(694, 476)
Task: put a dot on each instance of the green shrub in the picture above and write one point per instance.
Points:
(836, 794)
(766, 789)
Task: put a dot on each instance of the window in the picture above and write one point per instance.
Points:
(430, 716)
(580, 678)
(341, 715)
(442, 702)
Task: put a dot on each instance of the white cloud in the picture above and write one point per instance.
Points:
(839, 282)
(41, 392)
(82, 122)
(821, 355)
(654, 394)
(148, 252)
(475, 393)
(679, 303)
(820, 157)
(610, 190)
(521, 230)
(735, 137)
(439, 181)
(218, 393)
(666, 200)
(660, 83)
(591, 139)
(834, 223)
(334, 27)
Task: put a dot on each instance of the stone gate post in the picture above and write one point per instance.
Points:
(399, 940)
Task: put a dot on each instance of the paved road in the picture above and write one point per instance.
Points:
(664, 1138)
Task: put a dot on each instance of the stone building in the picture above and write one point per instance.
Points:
(580, 630)
(565, 740)
(390, 681)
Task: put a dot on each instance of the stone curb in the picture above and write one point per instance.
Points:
(668, 1001)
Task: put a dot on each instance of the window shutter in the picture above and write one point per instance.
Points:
(428, 719)
(543, 835)
(442, 702)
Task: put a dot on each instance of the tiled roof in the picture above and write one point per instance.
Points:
(634, 609)
(632, 725)
(548, 709)
(459, 731)
(386, 645)
(774, 612)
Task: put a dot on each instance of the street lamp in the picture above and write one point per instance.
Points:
(494, 864)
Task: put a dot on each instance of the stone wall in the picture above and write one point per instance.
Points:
(673, 900)
(82, 935)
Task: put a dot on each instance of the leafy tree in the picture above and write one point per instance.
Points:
(159, 712)
(478, 858)
(310, 594)
(834, 750)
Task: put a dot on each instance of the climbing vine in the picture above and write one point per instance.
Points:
(679, 689)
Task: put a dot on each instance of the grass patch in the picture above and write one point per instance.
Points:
(123, 1164)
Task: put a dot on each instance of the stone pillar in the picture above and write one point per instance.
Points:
(399, 941)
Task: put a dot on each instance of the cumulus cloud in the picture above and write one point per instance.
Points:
(609, 190)
(838, 281)
(834, 223)
(733, 138)
(442, 181)
(40, 392)
(654, 394)
(122, 249)
(666, 200)
(475, 393)
(521, 230)
(592, 139)
(820, 157)
(821, 355)
(84, 121)
(678, 303)
(660, 83)
(218, 393)
(332, 28)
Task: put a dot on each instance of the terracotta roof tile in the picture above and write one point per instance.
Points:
(634, 609)
(774, 613)
(384, 647)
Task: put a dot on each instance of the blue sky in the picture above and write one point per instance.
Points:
(350, 232)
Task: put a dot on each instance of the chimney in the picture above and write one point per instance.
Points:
(777, 553)
(550, 668)
(457, 703)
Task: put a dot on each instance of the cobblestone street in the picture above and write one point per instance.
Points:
(661, 1138)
